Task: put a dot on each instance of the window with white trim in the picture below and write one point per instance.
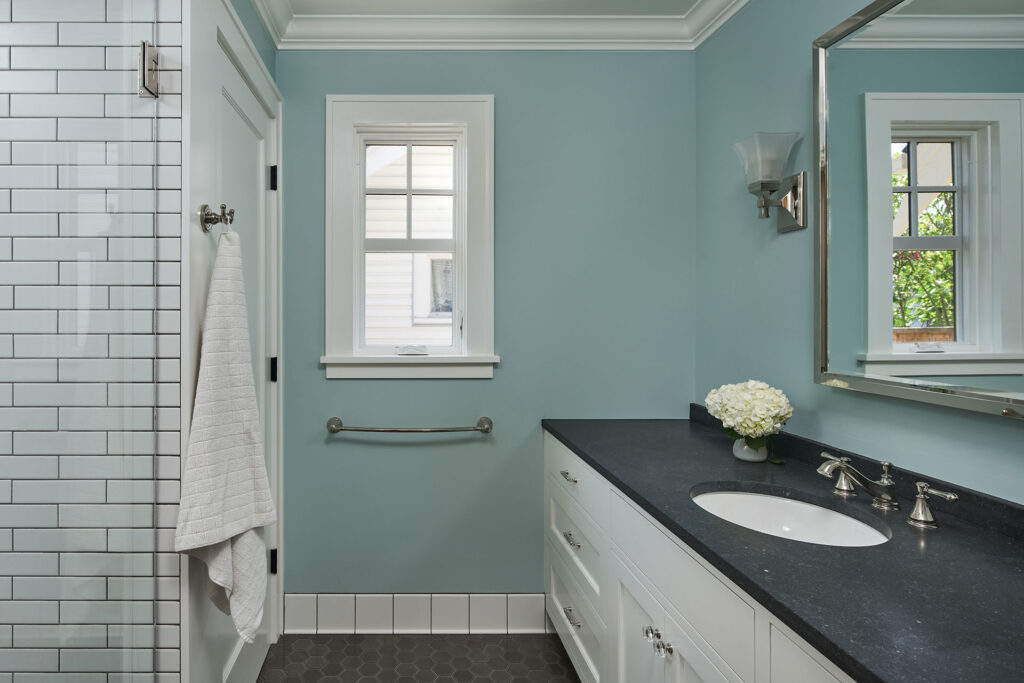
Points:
(409, 237)
(945, 234)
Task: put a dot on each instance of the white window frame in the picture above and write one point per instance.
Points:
(991, 288)
(354, 121)
(409, 135)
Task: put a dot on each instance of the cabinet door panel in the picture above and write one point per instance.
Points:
(636, 610)
(686, 663)
(791, 663)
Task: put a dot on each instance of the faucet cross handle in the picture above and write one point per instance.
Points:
(886, 477)
(921, 515)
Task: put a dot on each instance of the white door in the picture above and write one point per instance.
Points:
(234, 118)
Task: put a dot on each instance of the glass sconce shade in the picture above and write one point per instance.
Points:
(764, 155)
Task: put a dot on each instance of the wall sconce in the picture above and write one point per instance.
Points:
(764, 157)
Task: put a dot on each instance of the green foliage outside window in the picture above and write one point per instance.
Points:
(924, 282)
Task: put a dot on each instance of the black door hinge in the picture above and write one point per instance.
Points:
(273, 369)
(273, 177)
(273, 560)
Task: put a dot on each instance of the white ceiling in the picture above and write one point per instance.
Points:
(494, 24)
(495, 7)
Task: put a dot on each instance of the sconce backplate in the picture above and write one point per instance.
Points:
(792, 202)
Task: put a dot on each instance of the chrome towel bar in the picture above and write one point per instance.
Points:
(484, 425)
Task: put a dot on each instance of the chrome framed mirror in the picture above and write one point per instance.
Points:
(919, 258)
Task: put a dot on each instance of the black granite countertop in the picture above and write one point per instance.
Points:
(945, 604)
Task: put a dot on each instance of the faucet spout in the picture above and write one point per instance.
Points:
(827, 468)
(882, 491)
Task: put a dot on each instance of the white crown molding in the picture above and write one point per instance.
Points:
(942, 32)
(430, 32)
(276, 15)
(707, 16)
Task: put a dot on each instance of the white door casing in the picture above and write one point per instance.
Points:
(232, 129)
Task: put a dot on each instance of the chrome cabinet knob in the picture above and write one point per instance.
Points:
(568, 477)
(571, 540)
(650, 634)
(663, 649)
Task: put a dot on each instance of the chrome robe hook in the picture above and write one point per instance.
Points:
(207, 218)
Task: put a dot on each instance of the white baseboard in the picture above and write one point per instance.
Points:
(401, 613)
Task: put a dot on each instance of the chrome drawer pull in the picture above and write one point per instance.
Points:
(568, 477)
(573, 543)
(573, 621)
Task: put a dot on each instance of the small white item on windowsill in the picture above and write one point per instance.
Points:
(411, 350)
(750, 412)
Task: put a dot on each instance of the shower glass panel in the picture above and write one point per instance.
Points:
(85, 544)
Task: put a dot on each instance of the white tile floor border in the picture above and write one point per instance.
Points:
(438, 613)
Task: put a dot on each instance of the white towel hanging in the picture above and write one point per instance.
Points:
(225, 494)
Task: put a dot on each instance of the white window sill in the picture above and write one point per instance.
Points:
(410, 367)
(943, 363)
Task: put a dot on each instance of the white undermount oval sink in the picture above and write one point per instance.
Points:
(788, 518)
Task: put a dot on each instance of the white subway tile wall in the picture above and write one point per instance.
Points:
(90, 230)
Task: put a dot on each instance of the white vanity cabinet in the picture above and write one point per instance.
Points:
(649, 644)
(633, 604)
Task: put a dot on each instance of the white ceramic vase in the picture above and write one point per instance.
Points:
(744, 452)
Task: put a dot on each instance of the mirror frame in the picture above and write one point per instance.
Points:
(916, 390)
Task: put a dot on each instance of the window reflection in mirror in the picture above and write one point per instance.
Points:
(926, 234)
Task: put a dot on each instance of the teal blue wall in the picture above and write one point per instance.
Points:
(257, 32)
(852, 73)
(594, 265)
(755, 313)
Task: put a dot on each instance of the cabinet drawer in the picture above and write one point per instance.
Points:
(577, 539)
(575, 619)
(577, 479)
(723, 619)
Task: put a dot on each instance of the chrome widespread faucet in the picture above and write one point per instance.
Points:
(883, 491)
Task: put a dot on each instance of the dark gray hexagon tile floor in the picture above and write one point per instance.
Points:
(417, 659)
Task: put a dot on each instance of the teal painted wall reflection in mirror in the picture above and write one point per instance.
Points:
(921, 218)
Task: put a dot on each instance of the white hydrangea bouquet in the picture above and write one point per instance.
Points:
(750, 412)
